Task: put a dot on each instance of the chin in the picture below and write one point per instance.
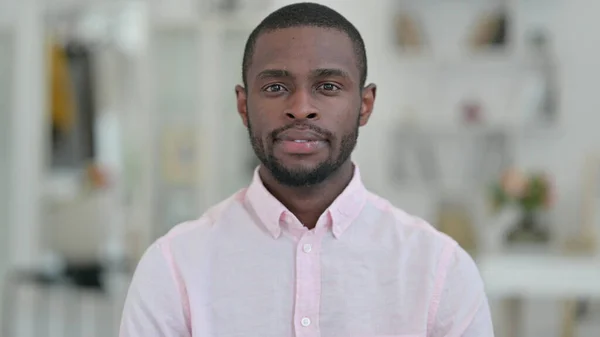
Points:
(300, 175)
(300, 164)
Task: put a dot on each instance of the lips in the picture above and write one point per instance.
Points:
(295, 135)
(300, 142)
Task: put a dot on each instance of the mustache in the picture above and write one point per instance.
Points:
(302, 126)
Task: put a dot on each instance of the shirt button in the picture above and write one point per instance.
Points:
(307, 248)
(305, 321)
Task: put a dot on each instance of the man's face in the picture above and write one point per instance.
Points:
(303, 104)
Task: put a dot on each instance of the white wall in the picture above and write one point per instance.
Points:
(5, 100)
(27, 133)
(7, 9)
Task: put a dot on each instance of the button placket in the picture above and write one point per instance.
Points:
(308, 285)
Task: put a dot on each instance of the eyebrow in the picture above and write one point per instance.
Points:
(318, 73)
(330, 72)
(274, 73)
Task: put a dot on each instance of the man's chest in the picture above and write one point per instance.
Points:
(311, 289)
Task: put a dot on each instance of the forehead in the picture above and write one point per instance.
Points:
(302, 49)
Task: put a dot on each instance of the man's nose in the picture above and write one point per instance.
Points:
(302, 106)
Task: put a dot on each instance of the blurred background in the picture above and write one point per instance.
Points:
(118, 121)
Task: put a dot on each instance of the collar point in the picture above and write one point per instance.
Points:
(276, 233)
(337, 232)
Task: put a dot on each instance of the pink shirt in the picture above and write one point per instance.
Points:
(249, 268)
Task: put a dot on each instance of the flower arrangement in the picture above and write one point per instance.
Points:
(531, 192)
(96, 177)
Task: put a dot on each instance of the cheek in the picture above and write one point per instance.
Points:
(261, 122)
(257, 129)
(348, 121)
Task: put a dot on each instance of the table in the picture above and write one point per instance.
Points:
(524, 276)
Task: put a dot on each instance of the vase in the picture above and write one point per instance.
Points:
(529, 229)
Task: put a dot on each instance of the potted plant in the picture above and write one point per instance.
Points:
(532, 194)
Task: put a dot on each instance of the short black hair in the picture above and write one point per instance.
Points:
(302, 15)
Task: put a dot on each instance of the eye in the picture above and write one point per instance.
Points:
(329, 87)
(274, 88)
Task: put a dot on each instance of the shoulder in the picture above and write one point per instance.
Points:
(454, 273)
(420, 241)
(410, 225)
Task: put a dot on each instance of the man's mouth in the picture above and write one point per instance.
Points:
(300, 142)
(301, 136)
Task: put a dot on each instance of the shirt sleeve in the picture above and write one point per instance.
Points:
(153, 306)
(462, 307)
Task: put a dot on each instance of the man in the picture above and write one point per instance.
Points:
(305, 250)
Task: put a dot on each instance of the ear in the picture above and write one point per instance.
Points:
(242, 100)
(367, 104)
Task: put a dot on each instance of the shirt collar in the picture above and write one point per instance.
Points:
(344, 209)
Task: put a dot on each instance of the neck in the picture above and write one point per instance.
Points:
(307, 203)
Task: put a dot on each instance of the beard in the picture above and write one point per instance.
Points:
(303, 177)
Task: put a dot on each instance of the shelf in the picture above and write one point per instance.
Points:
(455, 131)
(540, 131)
(519, 274)
(463, 63)
(62, 185)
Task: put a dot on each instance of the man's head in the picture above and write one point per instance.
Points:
(304, 94)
